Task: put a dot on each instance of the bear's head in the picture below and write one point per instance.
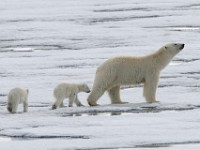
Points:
(84, 88)
(173, 48)
(166, 53)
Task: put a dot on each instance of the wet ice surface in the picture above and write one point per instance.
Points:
(43, 43)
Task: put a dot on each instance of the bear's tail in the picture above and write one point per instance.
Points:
(9, 107)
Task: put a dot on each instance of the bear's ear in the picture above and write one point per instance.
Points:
(165, 47)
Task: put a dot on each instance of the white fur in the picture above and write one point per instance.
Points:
(132, 70)
(17, 96)
(65, 90)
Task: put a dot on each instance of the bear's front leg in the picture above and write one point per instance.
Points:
(94, 96)
(114, 94)
(72, 99)
(150, 87)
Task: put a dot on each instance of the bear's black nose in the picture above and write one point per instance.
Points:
(88, 91)
(182, 46)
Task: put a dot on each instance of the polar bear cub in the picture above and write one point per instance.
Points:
(17, 96)
(129, 70)
(66, 90)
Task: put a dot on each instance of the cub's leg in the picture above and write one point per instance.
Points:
(71, 99)
(14, 106)
(25, 103)
(62, 104)
(77, 102)
(9, 107)
(57, 103)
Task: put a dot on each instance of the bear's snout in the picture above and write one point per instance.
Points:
(88, 91)
(182, 46)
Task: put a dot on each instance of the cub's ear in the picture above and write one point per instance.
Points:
(27, 90)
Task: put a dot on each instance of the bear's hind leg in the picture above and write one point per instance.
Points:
(114, 94)
(9, 107)
(14, 107)
(57, 103)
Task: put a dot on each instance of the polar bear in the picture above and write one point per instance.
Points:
(132, 70)
(66, 90)
(17, 96)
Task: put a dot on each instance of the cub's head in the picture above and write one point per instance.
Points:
(26, 91)
(173, 48)
(84, 88)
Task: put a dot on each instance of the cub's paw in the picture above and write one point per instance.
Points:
(151, 102)
(54, 107)
(120, 103)
(123, 103)
(93, 104)
(80, 105)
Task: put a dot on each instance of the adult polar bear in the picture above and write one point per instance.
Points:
(132, 70)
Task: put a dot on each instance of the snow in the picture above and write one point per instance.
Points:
(44, 43)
